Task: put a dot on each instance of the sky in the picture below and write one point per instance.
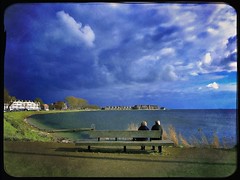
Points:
(178, 56)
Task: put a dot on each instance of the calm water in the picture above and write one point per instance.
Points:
(187, 122)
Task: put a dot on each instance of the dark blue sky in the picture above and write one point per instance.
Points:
(172, 55)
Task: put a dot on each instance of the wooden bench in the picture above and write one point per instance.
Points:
(122, 138)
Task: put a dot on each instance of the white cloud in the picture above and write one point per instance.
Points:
(178, 63)
(185, 18)
(114, 5)
(167, 51)
(233, 66)
(75, 29)
(169, 74)
(213, 85)
(224, 87)
(190, 38)
(191, 28)
(212, 31)
(207, 59)
(193, 73)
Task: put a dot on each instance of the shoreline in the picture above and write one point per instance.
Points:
(47, 132)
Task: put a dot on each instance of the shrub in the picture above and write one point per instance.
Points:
(173, 135)
(215, 143)
(184, 141)
(132, 126)
(164, 135)
(204, 141)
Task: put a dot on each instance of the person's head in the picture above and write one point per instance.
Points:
(157, 122)
(144, 123)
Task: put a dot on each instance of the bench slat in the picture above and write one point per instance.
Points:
(125, 143)
(123, 134)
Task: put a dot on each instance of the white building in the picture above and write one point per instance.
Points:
(6, 106)
(24, 105)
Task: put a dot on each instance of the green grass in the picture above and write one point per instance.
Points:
(15, 128)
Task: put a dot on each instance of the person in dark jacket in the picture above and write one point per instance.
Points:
(143, 127)
(158, 127)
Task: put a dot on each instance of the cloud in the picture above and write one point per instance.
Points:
(169, 73)
(114, 5)
(213, 85)
(233, 66)
(75, 30)
(167, 47)
(207, 59)
(231, 44)
(167, 51)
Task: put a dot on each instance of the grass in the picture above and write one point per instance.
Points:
(15, 128)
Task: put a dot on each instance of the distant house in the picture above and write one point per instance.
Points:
(46, 107)
(148, 107)
(20, 105)
(153, 107)
(142, 107)
(6, 106)
(117, 108)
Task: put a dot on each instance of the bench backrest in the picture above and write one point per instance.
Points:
(123, 134)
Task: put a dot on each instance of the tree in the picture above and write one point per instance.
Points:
(59, 105)
(92, 106)
(13, 98)
(82, 103)
(7, 97)
(40, 101)
(72, 102)
(51, 106)
(76, 103)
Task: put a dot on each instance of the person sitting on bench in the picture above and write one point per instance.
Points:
(143, 127)
(158, 127)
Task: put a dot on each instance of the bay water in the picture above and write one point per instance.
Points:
(188, 123)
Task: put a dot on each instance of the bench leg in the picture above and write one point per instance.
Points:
(160, 149)
(124, 148)
(89, 148)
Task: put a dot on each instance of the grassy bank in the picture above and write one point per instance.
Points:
(16, 128)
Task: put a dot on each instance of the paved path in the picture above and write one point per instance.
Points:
(61, 159)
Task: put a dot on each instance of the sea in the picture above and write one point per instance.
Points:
(190, 124)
